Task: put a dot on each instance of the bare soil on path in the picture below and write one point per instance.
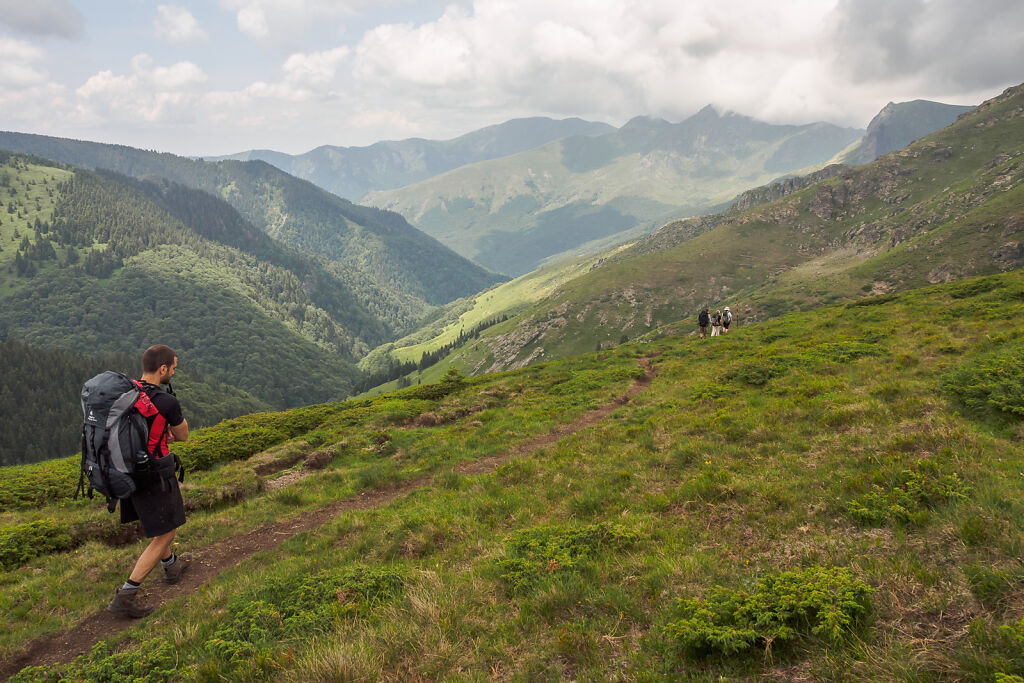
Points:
(212, 560)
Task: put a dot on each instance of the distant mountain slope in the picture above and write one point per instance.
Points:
(899, 124)
(351, 172)
(949, 206)
(393, 268)
(94, 262)
(510, 214)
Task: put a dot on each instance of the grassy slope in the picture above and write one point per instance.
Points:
(505, 299)
(814, 440)
(941, 209)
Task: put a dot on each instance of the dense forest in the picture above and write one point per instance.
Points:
(97, 262)
(395, 270)
(39, 398)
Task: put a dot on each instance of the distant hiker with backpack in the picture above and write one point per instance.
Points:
(156, 501)
(716, 324)
(702, 321)
(726, 319)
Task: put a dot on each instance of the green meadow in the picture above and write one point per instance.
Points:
(829, 495)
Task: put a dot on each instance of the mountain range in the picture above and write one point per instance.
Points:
(511, 214)
(351, 172)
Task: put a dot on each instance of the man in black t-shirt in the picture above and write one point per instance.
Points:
(157, 502)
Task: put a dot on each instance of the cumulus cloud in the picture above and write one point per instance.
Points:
(283, 23)
(42, 17)
(149, 93)
(613, 56)
(20, 63)
(801, 61)
(314, 69)
(176, 25)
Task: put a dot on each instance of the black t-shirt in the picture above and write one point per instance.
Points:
(169, 410)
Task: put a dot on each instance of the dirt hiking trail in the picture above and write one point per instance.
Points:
(211, 560)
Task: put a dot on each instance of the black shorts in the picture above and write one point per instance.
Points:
(157, 502)
(725, 325)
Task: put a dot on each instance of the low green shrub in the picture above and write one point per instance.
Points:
(22, 542)
(994, 652)
(846, 351)
(25, 486)
(872, 301)
(991, 584)
(533, 554)
(908, 495)
(991, 384)
(819, 601)
(233, 482)
(153, 660)
(966, 290)
(259, 623)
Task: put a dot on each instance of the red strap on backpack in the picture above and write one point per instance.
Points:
(157, 432)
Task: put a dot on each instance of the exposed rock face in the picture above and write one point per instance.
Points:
(783, 188)
(1009, 256)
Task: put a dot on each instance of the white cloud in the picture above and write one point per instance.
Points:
(155, 94)
(284, 23)
(617, 58)
(314, 69)
(176, 25)
(20, 63)
(42, 17)
(178, 76)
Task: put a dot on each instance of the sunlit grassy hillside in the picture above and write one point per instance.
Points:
(829, 495)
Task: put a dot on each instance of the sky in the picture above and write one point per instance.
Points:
(223, 76)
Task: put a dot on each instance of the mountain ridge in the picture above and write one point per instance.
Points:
(352, 172)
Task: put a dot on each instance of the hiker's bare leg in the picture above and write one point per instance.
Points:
(158, 549)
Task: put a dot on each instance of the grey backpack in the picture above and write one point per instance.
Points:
(115, 436)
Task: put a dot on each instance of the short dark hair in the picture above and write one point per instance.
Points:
(157, 355)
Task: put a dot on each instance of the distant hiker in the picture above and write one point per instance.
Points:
(726, 319)
(716, 324)
(157, 502)
(702, 321)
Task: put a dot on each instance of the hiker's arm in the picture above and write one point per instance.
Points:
(179, 432)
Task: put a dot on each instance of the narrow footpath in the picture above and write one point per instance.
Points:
(227, 553)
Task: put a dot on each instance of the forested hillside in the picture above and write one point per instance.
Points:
(394, 269)
(93, 262)
(39, 398)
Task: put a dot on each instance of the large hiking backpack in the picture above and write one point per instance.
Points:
(115, 435)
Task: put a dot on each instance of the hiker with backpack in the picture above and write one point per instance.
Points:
(716, 324)
(128, 424)
(726, 320)
(702, 321)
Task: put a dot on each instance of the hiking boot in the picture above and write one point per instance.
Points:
(126, 602)
(173, 573)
